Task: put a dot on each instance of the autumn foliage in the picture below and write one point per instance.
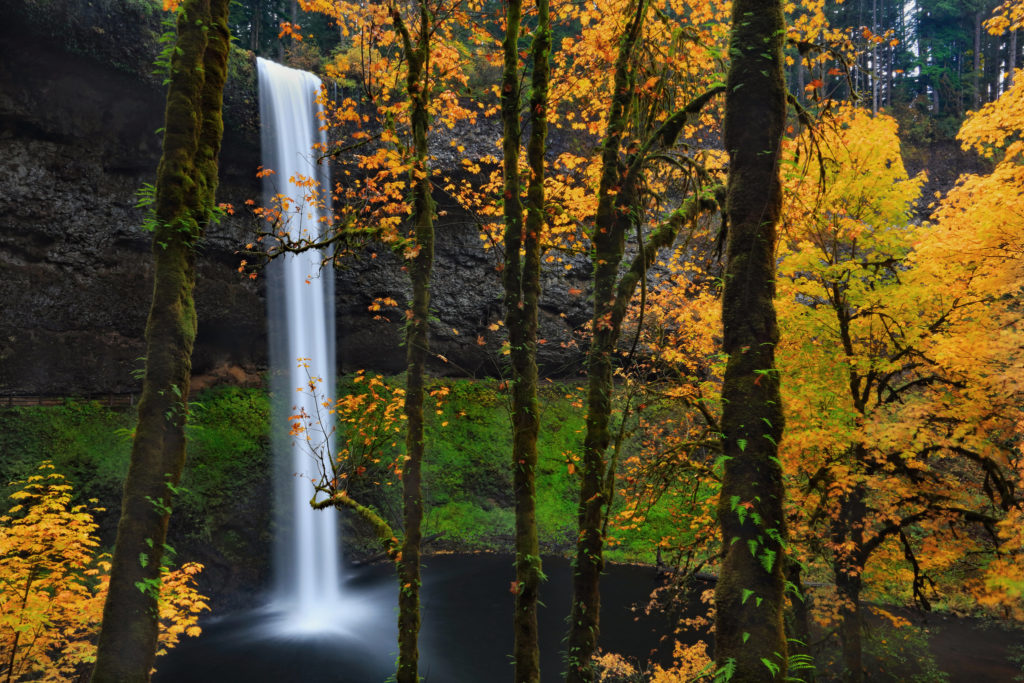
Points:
(53, 582)
(899, 359)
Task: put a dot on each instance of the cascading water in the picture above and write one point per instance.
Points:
(300, 295)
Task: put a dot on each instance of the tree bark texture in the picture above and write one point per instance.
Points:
(417, 346)
(749, 637)
(185, 186)
(848, 558)
(615, 214)
(798, 621)
(521, 280)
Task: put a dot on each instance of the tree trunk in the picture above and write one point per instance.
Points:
(850, 626)
(254, 28)
(613, 219)
(417, 58)
(521, 277)
(848, 565)
(798, 621)
(976, 76)
(876, 72)
(749, 635)
(185, 186)
(1011, 58)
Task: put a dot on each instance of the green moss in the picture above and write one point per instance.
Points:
(91, 443)
(86, 442)
(467, 473)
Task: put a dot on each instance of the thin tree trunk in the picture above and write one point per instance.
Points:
(976, 76)
(749, 633)
(185, 186)
(801, 81)
(875, 70)
(613, 218)
(417, 58)
(521, 277)
(1011, 58)
(993, 70)
(254, 28)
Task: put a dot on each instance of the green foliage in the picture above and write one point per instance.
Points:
(91, 443)
(81, 440)
(1017, 658)
(901, 654)
(467, 473)
(229, 458)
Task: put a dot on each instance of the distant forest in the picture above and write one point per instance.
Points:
(927, 62)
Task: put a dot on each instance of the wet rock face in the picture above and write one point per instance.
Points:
(77, 140)
(467, 302)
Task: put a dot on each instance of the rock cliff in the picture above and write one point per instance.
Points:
(79, 110)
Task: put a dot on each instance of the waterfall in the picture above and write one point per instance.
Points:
(300, 318)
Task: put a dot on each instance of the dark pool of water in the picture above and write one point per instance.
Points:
(466, 634)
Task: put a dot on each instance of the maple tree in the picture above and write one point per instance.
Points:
(366, 426)
(901, 395)
(624, 77)
(53, 583)
(978, 227)
(887, 422)
(183, 203)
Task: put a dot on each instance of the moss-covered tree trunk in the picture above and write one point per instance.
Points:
(615, 213)
(417, 343)
(749, 633)
(185, 186)
(521, 279)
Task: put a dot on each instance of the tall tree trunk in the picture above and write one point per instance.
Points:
(976, 75)
(1011, 58)
(254, 27)
(848, 565)
(417, 339)
(612, 220)
(185, 186)
(876, 72)
(749, 597)
(521, 276)
(992, 68)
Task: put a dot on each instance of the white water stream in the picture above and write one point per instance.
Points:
(300, 295)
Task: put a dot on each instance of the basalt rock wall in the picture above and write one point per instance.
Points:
(79, 111)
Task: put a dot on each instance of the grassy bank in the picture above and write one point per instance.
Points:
(224, 505)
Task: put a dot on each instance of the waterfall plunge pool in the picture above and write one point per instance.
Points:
(466, 635)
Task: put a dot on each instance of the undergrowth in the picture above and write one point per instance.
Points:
(226, 486)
